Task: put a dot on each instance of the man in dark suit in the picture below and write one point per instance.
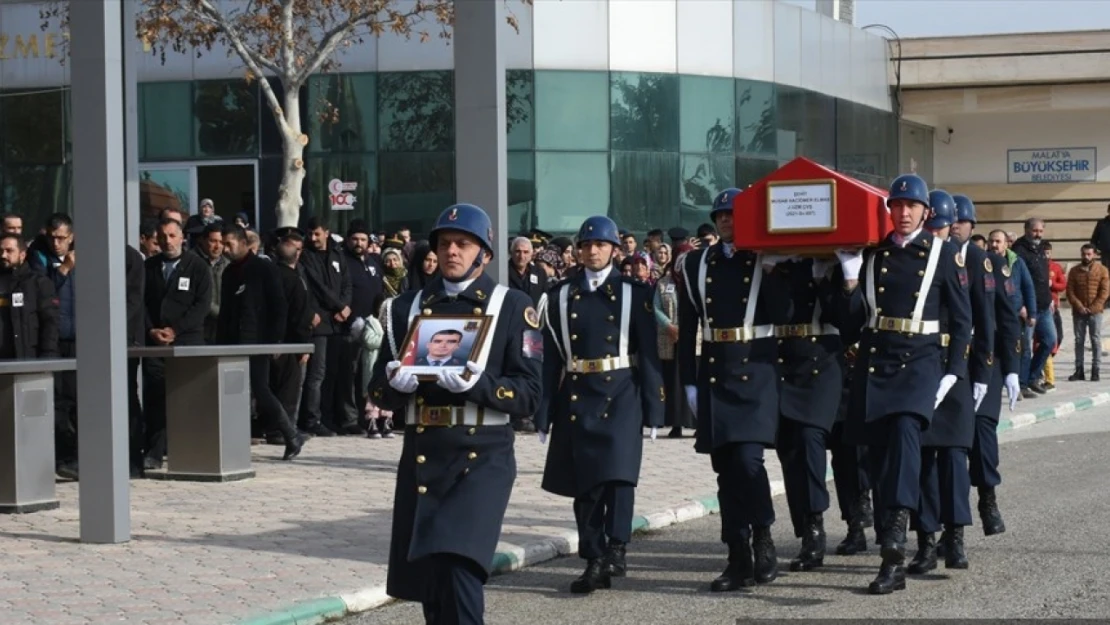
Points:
(177, 299)
(441, 350)
(253, 311)
(287, 370)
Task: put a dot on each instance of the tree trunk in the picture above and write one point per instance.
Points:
(292, 163)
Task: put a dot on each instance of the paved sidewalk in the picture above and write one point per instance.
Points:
(310, 539)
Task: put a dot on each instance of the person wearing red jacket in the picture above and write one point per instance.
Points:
(1057, 284)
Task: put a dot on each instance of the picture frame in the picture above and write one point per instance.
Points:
(436, 343)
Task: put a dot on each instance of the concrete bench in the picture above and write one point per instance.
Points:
(208, 407)
(27, 434)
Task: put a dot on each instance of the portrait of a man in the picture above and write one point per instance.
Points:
(440, 350)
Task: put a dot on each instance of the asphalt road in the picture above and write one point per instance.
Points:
(1051, 562)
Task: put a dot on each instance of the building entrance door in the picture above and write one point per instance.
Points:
(231, 185)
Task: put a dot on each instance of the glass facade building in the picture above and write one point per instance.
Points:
(654, 107)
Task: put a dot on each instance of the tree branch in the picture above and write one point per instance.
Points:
(330, 42)
(254, 59)
(288, 48)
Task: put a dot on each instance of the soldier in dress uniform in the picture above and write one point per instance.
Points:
(457, 464)
(810, 362)
(911, 278)
(945, 482)
(733, 388)
(1007, 353)
(849, 469)
(603, 383)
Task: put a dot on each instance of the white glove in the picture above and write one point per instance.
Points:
(402, 381)
(654, 433)
(978, 392)
(1013, 389)
(851, 261)
(692, 398)
(455, 383)
(946, 384)
(821, 268)
(770, 260)
(543, 437)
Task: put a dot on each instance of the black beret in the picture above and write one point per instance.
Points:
(678, 233)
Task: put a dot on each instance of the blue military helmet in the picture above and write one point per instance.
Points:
(943, 213)
(909, 187)
(466, 218)
(965, 209)
(599, 228)
(723, 202)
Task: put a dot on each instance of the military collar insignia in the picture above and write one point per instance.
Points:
(531, 317)
(987, 265)
(960, 260)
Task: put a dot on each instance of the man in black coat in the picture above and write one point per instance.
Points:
(1100, 238)
(367, 293)
(28, 307)
(135, 338)
(287, 370)
(523, 275)
(253, 312)
(1031, 250)
(329, 287)
(178, 293)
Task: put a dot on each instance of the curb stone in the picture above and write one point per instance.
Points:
(515, 557)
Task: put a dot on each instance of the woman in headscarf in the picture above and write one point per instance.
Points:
(565, 248)
(548, 260)
(668, 290)
(425, 265)
(662, 258)
(396, 278)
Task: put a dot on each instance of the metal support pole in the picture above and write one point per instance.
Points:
(131, 119)
(480, 159)
(96, 40)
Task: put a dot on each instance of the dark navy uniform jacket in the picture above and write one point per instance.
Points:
(599, 417)
(738, 382)
(810, 366)
(899, 372)
(954, 420)
(453, 483)
(1007, 338)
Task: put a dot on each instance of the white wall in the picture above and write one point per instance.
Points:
(977, 152)
(766, 40)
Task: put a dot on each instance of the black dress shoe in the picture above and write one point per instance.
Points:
(925, 559)
(1078, 376)
(353, 429)
(812, 555)
(593, 578)
(68, 471)
(293, 448)
(766, 559)
(675, 433)
(954, 555)
(1094, 375)
(152, 464)
(891, 577)
(855, 542)
(989, 513)
(320, 430)
(614, 561)
(739, 572)
(274, 438)
(1037, 388)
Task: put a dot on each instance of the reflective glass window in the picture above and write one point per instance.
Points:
(749, 170)
(416, 111)
(645, 190)
(572, 110)
(522, 192)
(342, 113)
(415, 188)
(225, 114)
(36, 191)
(33, 127)
(703, 176)
(519, 109)
(644, 111)
(361, 169)
(165, 121)
(570, 186)
(756, 121)
(820, 129)
(707, 114)
(791, 107)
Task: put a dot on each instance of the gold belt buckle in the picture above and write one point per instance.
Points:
(436, 416)
(889, 323)
(724, 336)
(795, 330)
(592, 366)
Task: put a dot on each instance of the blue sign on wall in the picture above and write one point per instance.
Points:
(1060, 165)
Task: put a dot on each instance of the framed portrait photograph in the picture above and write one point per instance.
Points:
(438, 342)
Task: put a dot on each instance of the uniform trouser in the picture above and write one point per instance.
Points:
(311, 400)
(65, 408)
(270, 409)
(801, 450)
(983, 459)
(154, 407)
(455, 595)
(345, 407)
(743, 490)
(286, 381)
(945, 489)
(604, 515)
(896, 465)
(849, 472)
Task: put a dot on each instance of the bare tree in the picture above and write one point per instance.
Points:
(288, 39)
